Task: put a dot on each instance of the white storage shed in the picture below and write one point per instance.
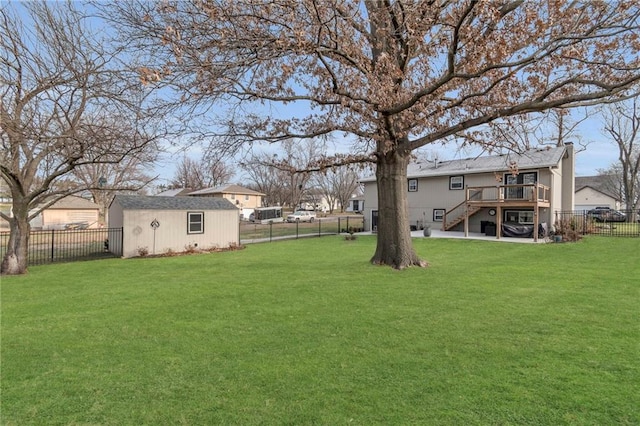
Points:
(157, 225)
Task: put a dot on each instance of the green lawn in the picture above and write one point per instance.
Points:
(306, 332)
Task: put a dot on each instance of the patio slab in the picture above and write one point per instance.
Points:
(436, 233)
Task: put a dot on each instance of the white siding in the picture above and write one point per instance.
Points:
(221, 228)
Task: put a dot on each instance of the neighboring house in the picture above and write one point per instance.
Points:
(161, 224)
(69, 212)
(240, 196)
(314, 199)
(594, 191)
(356, 204)
(466, 195)
(244, 198)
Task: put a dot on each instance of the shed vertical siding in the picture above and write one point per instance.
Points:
(220, 230)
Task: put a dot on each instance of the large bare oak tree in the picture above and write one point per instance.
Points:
(393, 75)
(65, 103)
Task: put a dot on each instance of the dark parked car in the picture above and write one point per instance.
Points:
(607, 215)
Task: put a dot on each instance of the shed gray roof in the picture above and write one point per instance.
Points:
(537, 158)
(144, 202)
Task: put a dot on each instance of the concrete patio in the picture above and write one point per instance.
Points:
(437, 233)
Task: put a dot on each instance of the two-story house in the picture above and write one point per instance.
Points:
(466, 194)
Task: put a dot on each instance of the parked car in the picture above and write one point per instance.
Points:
(301, 216)
(601, 214)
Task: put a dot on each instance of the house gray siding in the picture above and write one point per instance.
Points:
(554, 168)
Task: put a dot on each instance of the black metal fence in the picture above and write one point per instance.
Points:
(256, 232)
(70, 245)
(610, 223)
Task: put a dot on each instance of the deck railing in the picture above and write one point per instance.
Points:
(504, 193)
(477, 197)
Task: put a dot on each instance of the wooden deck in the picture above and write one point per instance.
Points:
(535, 196)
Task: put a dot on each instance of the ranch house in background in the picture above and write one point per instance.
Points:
(596, 191)
(157, 225)
(70, 212)
(483, 193)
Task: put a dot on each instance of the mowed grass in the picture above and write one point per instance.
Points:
(306, 332)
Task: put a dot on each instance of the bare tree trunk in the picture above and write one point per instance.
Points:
(394, 247)
(16, 256)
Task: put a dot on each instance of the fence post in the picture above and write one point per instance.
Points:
(297, 224)
(52, 245)
(121, 241)
(270, 230)
(319, 227)
(347, 229)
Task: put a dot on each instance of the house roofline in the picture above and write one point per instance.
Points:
(473, 165)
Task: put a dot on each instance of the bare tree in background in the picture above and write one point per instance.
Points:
(262, 177)
(524, 132)
(206, 173)
(337, 185)
(103, 180)
(394, 75)
(65, 103)
(294, 160)
(622, 126)
(285, 177)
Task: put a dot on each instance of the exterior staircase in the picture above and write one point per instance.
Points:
(456, 215)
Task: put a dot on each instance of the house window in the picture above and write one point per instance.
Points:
(413, 185)
(246, 198)
(438, 215)
(356, 206)
(233, 196)
(520, 192)
(524, 217)
(195, 222)
(456, 182)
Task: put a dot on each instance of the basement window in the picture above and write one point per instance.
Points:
(438, 215)
(195, 222)
(524, 217)
(413, 185)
